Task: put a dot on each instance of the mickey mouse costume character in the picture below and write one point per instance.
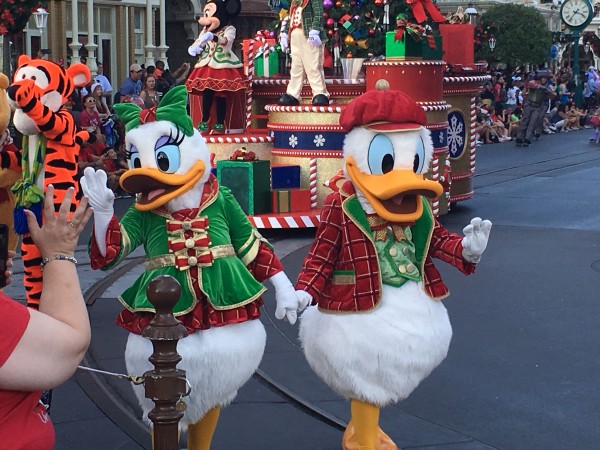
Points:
(305, 26)
(218, 69)
(378, 328)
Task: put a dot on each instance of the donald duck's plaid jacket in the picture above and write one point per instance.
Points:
(341, 271)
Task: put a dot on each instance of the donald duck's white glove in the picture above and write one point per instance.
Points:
(102, 200)
(477, 234)
(288, 303)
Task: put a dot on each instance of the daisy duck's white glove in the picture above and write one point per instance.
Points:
(477, 234)
(288, 303)
(314, 38)
(284, 41)
(102, 200)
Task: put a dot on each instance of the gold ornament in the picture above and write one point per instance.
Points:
(349, 40)
(362, 43)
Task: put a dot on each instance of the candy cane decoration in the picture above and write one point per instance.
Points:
(312, 182)
(250, 76)
(435, 175)
(472, 135)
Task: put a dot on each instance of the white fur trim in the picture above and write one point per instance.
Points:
(217, 361)
(381, 356)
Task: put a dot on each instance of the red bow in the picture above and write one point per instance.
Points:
(418, 10)
(148, 115)
(196, 224)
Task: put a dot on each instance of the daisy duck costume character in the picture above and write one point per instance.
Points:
(195, 231)
(218, 69)
(378, 328)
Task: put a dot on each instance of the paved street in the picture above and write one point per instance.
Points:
(522, 371)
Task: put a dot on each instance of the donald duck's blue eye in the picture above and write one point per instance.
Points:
(419, 156)
(381, 155)
(168, 158)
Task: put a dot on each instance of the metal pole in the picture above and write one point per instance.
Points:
(578, 86)
(165, 385)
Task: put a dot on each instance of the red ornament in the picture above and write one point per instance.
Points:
(329, 33)
(330, 23)
(371, 31)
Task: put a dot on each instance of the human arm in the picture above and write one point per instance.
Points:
(57, 336)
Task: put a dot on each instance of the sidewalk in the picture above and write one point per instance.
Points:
(522, 368)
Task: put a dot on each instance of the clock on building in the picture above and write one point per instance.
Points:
(576, 14)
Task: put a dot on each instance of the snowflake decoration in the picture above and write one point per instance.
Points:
(456, 134)
(293, 141)
(319, 140)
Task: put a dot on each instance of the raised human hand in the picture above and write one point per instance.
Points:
(59, 234)
(477, 234)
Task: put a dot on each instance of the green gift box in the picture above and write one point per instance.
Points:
(407, 47)
(250, 183)
(433, 54)
(267, 68)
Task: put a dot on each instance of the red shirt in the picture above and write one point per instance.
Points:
(24, 422)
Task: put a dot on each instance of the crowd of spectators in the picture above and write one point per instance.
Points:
(522, 106)
(91, 106)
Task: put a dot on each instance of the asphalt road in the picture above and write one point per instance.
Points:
(522, 368)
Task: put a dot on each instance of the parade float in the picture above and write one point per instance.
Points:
(286, 156)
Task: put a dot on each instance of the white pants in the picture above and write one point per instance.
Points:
(308, 60)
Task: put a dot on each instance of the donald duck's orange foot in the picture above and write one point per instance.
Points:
(383, 442)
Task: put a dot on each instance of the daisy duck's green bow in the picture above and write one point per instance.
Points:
(172, 107)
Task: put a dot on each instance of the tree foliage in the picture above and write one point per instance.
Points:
(14, 14)
(521, 33)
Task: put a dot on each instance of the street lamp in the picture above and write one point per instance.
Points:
(41, 17)
(471, 11)
(492, 42)
(41, 21)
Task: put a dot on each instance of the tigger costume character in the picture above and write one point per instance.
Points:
(8, 177)
(50, 148)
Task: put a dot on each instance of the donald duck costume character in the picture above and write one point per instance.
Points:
(194, 230)
(378, 328)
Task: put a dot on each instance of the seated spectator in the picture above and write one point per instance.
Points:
(132, 85)
(149, 94)
(40, 350)
(101, 106)
(515, 122)
(89, 119)
(107, 89)
(114, 168)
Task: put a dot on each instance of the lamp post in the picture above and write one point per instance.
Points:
(578, 86)
(471, 11)
(492, 42)
(41, 22)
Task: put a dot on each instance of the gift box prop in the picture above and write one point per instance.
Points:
(260, 52)
(284, 176)
(291, 200)
(458, 43)
(413, 41)
(249, 182)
